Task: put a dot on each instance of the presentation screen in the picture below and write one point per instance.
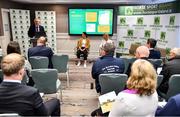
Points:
(91, 21)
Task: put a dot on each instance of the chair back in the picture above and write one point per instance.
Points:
(174, 86)
(112, 82)
(46, 80)
(156, 62)
(38, 62)
(159, 80)
(60, 62)
(127, 62)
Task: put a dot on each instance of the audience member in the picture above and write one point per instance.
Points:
(106, 64)
(36, 30)
(13, 47)
(83, 46)
(169, 68)
(18, 98)
(141, 91)
(142, 52)
(41, 50)
(154, 53)
(172, 108)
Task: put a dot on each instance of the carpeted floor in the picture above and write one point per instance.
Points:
(78, 99)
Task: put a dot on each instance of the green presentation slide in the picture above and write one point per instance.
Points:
(92, 21)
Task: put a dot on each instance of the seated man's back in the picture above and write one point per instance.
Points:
(154, 54)
(106, 64)
(21, 99)
(41, 50)
(14, 96)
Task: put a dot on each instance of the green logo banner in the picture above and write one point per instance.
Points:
(164, 8)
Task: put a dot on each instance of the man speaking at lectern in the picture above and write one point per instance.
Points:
(36, 30)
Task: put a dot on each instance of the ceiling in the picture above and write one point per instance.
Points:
(92, 1)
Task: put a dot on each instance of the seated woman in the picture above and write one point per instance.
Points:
(13, 47)
(83, 46)
(141, 91)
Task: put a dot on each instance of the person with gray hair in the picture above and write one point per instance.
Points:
(36, 30)
(106, 64)
(169, 68)
(142, 52)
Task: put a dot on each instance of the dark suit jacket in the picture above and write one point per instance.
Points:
(130, 64)
(21, 99)
(172, 108)
(41, 51)
(32, 31)
(169, 68)
(154, 54)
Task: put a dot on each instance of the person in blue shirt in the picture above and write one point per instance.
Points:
(106, 64)
(172, 108)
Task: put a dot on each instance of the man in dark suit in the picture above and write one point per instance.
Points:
(36, 30)
(170, 68)
(41, 50)
(171, 109)
(106, 64)
(18, 98)
(142, 52)
(154, 53)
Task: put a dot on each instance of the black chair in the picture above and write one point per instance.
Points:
(174, 87)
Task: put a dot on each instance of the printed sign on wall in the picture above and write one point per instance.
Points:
(136, 24)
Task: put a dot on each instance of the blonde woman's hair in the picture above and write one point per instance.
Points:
(143, 77)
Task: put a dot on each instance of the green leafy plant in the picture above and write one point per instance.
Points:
(168, 51)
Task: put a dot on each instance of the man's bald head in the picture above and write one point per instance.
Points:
(12, 64)
(41, 41)
(142, 51)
